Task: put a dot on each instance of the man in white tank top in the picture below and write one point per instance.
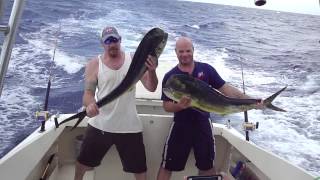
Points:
(117, 122)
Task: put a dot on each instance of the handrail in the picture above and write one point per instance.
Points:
(10, 35)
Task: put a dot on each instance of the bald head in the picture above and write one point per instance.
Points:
(184, 41)
(184, 51)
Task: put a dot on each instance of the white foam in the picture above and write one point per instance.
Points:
(41, 45)
(71, 64)
(312, 83)
(214, 57)
(15, 100)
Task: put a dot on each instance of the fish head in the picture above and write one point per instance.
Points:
(159, 49)
(160, 40)
(172, 94)
(153, 43)
(175, 88)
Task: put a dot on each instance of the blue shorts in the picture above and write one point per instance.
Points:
(130, 146)
(184, 136)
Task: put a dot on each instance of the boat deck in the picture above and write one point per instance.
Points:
(231, 148)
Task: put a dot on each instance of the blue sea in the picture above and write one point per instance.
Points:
(275, 49)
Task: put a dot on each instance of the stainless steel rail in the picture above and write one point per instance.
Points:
(9, 37)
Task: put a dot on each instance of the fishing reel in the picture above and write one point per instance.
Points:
(250, 126)
(42, 116)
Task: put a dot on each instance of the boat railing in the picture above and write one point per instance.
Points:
(9, 30)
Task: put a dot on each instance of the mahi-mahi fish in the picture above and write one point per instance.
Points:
(152, 44)
(208, 99)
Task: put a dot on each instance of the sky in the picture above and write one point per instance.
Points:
(297, 6)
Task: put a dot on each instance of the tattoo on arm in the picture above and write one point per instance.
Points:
(90, 85)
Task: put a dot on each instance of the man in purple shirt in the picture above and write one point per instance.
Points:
(191, 128)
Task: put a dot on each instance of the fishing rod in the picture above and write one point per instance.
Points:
(245, 112)
(43, 116)
(46, 170)
(247, 126)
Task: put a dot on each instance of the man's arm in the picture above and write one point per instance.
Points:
(233, 92)
(91, 80)
(150, 79)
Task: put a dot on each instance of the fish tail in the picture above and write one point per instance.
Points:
(273, 107)
(81, 117)
(78, 115)
(268, 101)
(67, 120)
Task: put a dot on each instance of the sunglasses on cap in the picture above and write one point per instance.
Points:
(111, 40)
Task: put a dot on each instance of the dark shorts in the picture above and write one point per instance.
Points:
(130, 146)
(182, 138)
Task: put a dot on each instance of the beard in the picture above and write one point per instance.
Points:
(186, 62)
(114, 51)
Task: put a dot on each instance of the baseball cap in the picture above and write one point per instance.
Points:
(109, 32)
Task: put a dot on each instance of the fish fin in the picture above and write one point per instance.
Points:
(82, 116)
(268, 101)
(273, 107)
(78, 115)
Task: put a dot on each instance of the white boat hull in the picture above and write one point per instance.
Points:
(28, 159)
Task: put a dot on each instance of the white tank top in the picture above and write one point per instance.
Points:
(119, 116)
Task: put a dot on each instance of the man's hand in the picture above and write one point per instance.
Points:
(151, 63)
(92, 110)
(260, 105)
(184, 102)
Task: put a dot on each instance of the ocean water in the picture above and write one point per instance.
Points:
(276, 49)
